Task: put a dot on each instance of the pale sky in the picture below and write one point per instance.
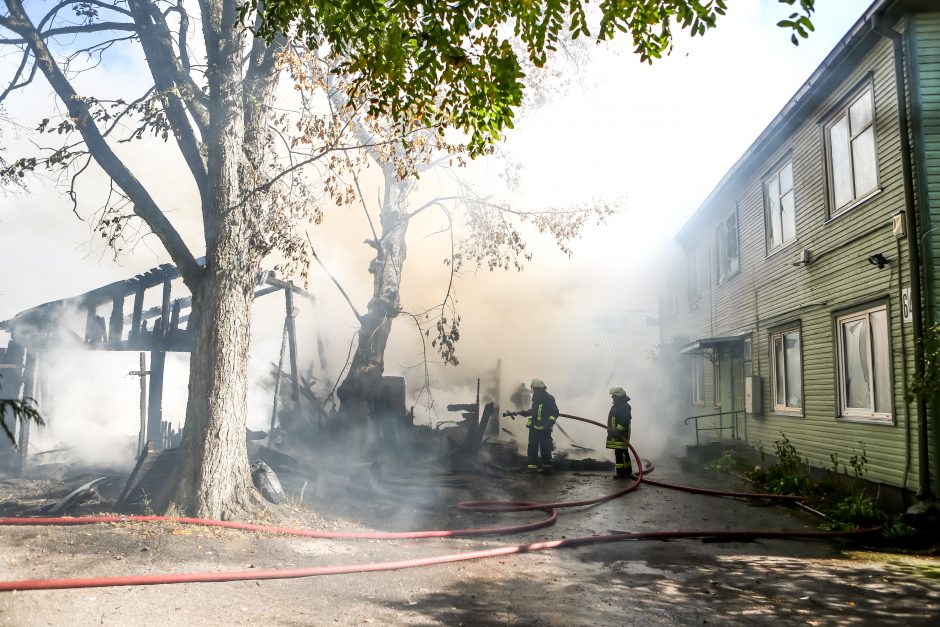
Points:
(657, 137)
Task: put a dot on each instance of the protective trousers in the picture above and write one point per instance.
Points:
(623, 465)
(540, 442)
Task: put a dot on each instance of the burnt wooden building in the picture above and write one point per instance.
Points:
(115, 319)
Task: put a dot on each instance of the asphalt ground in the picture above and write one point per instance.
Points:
(676, 582)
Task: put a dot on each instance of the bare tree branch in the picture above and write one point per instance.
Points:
(73, 30)
(144, 204)
(19, 72)
(98, 49)
(158, 48)
(182, 36)
(333, 278)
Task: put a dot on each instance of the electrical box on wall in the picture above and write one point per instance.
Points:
(753, 400)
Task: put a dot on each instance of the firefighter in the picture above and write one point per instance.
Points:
(541, 420)
(618, 431)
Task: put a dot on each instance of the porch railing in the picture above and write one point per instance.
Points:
(733, 417)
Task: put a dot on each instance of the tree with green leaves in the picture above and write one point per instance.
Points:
(431, 64)
(457, 64)
(208, 93)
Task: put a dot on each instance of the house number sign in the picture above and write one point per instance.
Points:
(906, 305)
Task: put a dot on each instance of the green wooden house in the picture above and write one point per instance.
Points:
(808, 274)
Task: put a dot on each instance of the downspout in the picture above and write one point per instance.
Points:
(913, 254)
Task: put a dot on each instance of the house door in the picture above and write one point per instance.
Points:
(729, 390)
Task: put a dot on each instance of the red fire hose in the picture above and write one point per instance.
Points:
(480, 506)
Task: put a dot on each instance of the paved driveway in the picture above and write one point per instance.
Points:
(678, 582)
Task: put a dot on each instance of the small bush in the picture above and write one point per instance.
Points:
(790, 475)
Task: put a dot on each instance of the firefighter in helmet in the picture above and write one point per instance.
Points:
(618, 431)
(541, 420)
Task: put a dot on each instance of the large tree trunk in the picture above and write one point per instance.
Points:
(358, 392)
(213, 478)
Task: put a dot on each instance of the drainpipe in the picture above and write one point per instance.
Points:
(913, 254)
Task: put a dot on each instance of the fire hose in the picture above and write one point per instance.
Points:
(478, 506)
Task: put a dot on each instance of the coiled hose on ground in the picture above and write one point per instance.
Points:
(478, 506)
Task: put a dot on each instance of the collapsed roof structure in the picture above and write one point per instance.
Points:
(157, 330)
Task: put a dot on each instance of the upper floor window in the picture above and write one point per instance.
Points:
(787, 370)
(851, 153)
(864, 364)
(726, 247)
(779, 208)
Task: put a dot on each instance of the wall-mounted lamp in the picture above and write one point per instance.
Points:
(878, 260)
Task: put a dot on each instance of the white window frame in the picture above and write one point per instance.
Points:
(716, 382)
(698, 380)
(853, 134)
(778, 337)
(776, 192)
(868, 414)
(728, 261)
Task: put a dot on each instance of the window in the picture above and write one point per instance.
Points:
(716, 380)
(779, 209)
(697, 271)
(850, 152)
(698, 381)
(864, 364)
(726, 247)
(787, 370)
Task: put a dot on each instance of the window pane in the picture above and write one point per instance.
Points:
(840, 164)
(772, 194)
(786, 178)
(860, 113)
(794, 370)
(857, 392)
(788, 217)
(881, 360)
(733, 245)
(776, 227)
(721, 253)
(864, 162)
(779, 391)
(716, 382)
(773, 188)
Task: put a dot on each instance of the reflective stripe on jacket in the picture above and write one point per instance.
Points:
(544, 411)
(618, 422)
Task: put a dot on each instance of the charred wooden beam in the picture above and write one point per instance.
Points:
(134, 334)
(272, 280)
(155, 409)
(289, 313)
(116, 322)
(165, 307)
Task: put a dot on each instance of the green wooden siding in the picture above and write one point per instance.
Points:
(926, 51)
(769, 291)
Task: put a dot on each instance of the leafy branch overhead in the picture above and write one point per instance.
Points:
(454, 63)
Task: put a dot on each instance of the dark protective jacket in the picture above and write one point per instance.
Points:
(618, 423)
(544, 411)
